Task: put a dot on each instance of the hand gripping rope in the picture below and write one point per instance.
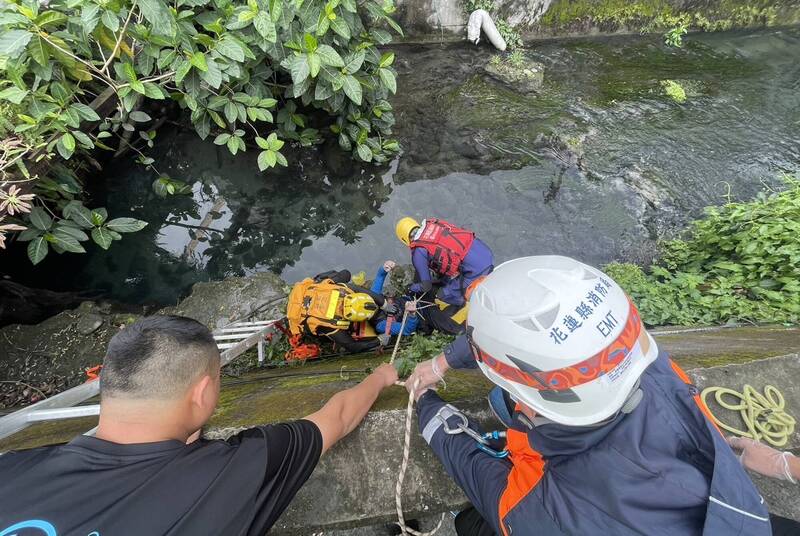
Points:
(763, 415)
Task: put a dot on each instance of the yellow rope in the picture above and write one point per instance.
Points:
(764, 415)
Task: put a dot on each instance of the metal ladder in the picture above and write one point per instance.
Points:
(232, 340)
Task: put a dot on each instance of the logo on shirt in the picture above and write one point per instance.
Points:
(34, 527)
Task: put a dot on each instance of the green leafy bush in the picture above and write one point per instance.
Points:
(244, 70)
(420, 348)
(740, 262)
(674, 36)
(510, 35)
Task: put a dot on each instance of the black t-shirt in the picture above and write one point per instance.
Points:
(95, 487)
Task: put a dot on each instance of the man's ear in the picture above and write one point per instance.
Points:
(202, 392)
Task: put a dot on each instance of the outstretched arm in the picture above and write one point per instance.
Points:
(346, 409)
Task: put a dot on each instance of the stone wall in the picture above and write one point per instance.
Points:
(445, 20)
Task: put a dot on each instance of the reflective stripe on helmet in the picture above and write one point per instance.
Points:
(574, 375)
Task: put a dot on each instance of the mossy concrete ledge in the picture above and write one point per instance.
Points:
(354, 483)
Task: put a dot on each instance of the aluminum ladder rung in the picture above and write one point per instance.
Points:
(235, 336)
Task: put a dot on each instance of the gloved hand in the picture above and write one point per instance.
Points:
(389, 307)
(384, 338)
(428, 374)
(762, 458)
(388, 266)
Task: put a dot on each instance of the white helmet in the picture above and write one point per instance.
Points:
(559, 336)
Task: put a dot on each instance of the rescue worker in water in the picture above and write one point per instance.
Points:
(447, 260)
(604, 433)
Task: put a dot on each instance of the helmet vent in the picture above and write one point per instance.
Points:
(547, 318)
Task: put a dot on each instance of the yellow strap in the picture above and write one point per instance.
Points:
(763, 415)
(331, 312)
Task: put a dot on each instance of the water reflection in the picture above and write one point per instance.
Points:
(596, 165)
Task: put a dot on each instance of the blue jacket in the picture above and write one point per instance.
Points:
(411, 322)
(661, 469)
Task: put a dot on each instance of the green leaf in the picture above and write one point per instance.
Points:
(265, 26)
(99, 216)
(386, 59)
(158, 15)
(40, 219)
(271, 158)
(66, 145)
(364, 152)
(140, 117)
(231, 113)
(110, 21)
(329, 56)
(314, 63)
(388, 79)
(213, 76)
(310, 42)
(83, 139)
(354, 62)
(29, 234)
(339, 25)
(352, 88)
(274, 143)
(152, 91)
(86, 112)
(13, 94)
(66, 242)
(50, 17)
(247, 16)
(13, 42)
(229, 48)
(130, 72)
(233, 145)
(275, 9)
(126, 225)
(350, 5)
(299, 69)
(281, 159)
(68, 230)
(37, 250)
(181, 72)
(261, 142)
(39, 50)
(198, 59)
(222, 139)
(82, 216)
(102, 237)
(90, 15)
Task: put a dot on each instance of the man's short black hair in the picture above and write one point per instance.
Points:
(158, 357)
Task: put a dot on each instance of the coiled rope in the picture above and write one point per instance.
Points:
(401, 475)
(764, 415)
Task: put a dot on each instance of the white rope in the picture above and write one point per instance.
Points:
(398, 490)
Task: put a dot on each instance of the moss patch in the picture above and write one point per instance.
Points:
(48, 433)
(660, 15)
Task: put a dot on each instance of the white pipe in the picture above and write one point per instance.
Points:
(481, 20)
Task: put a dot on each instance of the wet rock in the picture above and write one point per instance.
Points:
(218, 303)
(57, 351)
(525, 77)
(89, 323)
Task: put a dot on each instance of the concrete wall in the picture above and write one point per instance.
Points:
(445, 20)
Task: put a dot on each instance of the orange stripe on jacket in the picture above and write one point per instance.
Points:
(699, 401)
(526, 472)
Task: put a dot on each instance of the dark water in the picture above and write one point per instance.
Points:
(596, 165)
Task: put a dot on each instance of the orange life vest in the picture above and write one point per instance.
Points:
(446, 244)
(317, 304)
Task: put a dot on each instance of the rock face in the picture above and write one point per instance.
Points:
(57, 351)
(446, 20)
(236, 298)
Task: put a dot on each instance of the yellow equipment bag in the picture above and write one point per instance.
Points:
(313, 305)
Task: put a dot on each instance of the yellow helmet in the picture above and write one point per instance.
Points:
(403, 229)
(358, 307)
